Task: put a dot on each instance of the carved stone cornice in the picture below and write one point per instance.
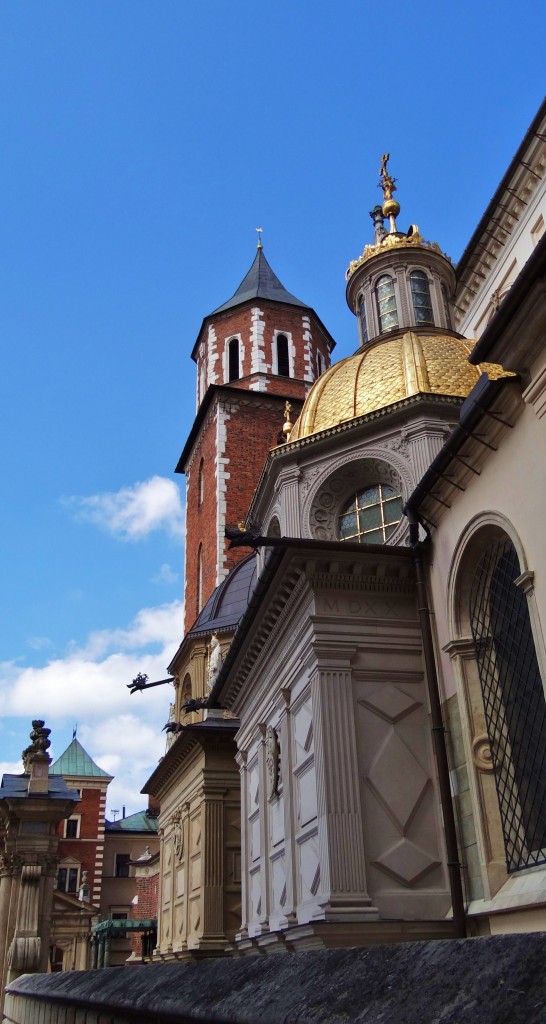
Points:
(462, 648)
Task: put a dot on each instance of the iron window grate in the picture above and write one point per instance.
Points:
(515, 707)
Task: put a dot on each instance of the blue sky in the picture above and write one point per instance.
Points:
(142, 145)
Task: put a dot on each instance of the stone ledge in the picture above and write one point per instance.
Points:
(496, 980)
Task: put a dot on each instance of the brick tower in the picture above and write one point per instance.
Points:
(262, 347)
(81, 846)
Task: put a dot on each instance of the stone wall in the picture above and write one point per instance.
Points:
(497, 980)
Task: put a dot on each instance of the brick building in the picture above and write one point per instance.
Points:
(254, 353)
(81, 844)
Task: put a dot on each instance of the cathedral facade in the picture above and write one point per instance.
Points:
(357, 737)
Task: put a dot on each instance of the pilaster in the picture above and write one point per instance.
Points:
(240, 757)
(213, 865)
(342, 857)
(289, 488)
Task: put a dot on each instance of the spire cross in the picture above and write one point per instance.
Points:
(259, 230)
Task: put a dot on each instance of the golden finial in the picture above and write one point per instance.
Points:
(259, 230)
(287, 427)
(391, 208)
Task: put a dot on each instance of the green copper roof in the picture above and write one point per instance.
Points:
(76, 761)
(142, 821)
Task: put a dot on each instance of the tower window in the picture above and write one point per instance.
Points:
(363, 324)
(283, 361)
(320, 364)
(234, 371)
(514, 704)
(420, 294)
(371, 516)
(386, 303)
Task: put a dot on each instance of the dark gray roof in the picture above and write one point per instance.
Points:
(260, 283)
(229, 601)
(16, 786)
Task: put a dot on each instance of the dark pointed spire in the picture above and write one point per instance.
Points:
(260, 283)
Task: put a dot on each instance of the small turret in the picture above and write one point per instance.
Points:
(400, 281)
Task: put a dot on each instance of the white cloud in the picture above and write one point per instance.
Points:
(122, 732)
(129, 749)
(40, 643)
(134, 512)
(93, 678)
(165, 575)
(11, 768)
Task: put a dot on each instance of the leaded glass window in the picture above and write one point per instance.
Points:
(372, 515)
(514, 704)
(386, 303)
(420, 294)
(422, 304)
(363, 324)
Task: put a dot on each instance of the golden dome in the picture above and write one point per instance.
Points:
(390, 371)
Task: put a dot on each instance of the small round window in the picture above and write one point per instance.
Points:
(371, 516)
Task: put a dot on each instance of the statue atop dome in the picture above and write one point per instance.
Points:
(387, 182)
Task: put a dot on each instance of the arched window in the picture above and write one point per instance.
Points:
(372, 515)
(420, 294)
(199, 578)
(386, 303)
(201, 483)
(234, 371)
(283, 361)
(363, 324)
(514, 704)
(320, 364)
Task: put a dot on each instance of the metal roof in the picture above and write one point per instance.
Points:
(76, 761)
(260, 283)
(229, 601)
(16, 786)
(141, 821)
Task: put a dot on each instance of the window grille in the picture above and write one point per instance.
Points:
(515, 707)
(363, 323)
(386, 303)
(371, 516)
(420, 293)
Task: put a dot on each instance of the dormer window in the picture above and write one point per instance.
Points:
(234, 371)
(420, 295)
(386, 303)
(283, 360)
